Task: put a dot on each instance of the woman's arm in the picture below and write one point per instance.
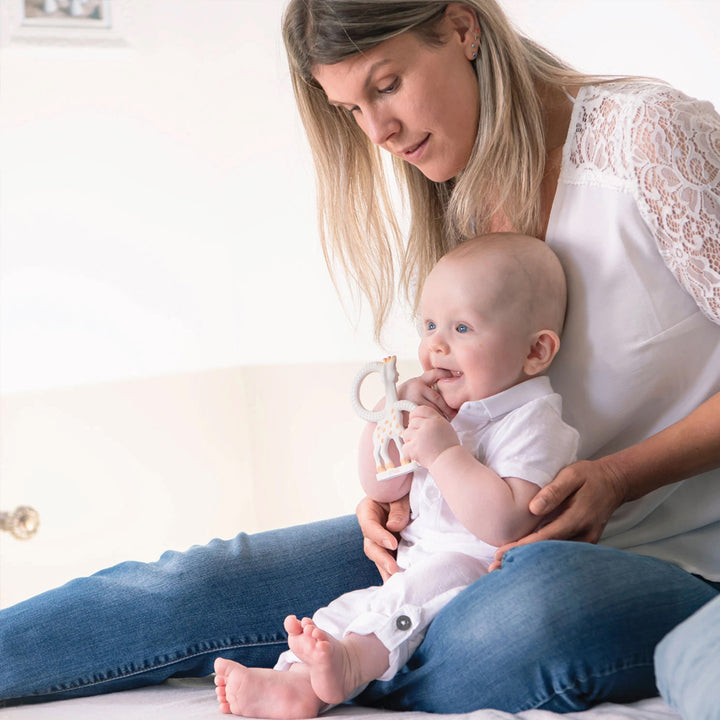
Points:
(588, 492)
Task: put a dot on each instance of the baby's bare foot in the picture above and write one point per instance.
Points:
(258, 692)
(333, 675)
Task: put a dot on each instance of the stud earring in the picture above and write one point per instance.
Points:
(474, 46)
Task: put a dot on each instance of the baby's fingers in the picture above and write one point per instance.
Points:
(423, 412)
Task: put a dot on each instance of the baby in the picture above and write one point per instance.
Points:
(488, 433)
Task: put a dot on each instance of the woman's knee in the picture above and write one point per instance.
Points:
(566, 585)
(579, 621)
(543, 591)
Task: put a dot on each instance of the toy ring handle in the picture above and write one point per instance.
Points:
(359, 408)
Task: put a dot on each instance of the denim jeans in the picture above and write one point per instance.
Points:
(687, 662)
(561, 626)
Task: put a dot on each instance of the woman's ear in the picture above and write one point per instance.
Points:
(463, 21)
(543, 348)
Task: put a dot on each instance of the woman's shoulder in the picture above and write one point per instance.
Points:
(659, 146)
(627, 97)
(617, 125)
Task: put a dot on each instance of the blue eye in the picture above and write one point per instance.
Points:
(431, 325)
(462, 328)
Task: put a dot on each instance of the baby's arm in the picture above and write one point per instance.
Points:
(493, 508)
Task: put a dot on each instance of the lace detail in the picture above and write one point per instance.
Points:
(664, 148)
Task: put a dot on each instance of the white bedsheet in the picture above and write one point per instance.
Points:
(194, 699)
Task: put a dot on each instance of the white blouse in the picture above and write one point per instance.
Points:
(636, 224)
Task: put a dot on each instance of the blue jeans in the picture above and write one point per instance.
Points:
(562, 626)
(687, 662)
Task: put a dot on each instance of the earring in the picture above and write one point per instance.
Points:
(474, 46)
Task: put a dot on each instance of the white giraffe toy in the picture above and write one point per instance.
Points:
(389, 419)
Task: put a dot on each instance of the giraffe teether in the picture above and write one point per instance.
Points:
(389, 419)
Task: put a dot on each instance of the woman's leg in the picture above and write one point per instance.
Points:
(140, 623)
(562, 626)
(687, 662)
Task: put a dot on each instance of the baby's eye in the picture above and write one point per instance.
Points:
(461, 328)
(430, 325)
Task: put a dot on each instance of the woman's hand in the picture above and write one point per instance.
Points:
(378, 522)
(582, 497)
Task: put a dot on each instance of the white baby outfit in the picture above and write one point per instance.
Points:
(517, 433)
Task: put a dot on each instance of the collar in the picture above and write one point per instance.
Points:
(495, 406)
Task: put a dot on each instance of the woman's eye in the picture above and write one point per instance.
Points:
(462, 328)
(389, 88)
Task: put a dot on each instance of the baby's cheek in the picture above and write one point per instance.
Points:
(424, 357)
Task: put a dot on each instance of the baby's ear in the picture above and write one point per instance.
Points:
(543, 348)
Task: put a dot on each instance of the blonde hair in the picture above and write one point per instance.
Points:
(358, 227)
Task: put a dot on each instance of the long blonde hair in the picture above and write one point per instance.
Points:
(358, 226)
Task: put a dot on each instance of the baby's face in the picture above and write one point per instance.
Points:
(472, 332)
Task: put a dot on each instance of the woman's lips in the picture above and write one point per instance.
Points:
(413, 154)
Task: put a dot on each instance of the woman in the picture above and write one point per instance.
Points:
(488, 132)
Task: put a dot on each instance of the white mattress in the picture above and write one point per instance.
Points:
(195, 700)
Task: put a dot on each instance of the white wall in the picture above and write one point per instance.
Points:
(156, 201)
(157, 204)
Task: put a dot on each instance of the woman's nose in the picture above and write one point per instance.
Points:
(380, 126)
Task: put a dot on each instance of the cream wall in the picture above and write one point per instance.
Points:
(174, 362)
(128, 469)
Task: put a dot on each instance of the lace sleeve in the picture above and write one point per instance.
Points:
(675, 159)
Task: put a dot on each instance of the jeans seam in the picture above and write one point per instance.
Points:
(593, 676)
(124, 675)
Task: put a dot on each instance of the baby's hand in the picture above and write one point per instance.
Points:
(427, 435)
(421, 391)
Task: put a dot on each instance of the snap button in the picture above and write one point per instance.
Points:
(403, 622)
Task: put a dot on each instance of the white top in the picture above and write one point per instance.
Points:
(517, 433)
(636, 224)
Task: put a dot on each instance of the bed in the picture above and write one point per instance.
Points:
(195, 699)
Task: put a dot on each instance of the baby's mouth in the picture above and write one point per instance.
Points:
(451, 374)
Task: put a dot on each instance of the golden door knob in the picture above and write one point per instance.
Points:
(21, 524)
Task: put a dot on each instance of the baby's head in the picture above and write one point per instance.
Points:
(492, 312)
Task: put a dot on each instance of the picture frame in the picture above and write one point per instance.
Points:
(85, 14)
(64, 22)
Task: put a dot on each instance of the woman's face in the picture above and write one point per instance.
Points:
(418, 102)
